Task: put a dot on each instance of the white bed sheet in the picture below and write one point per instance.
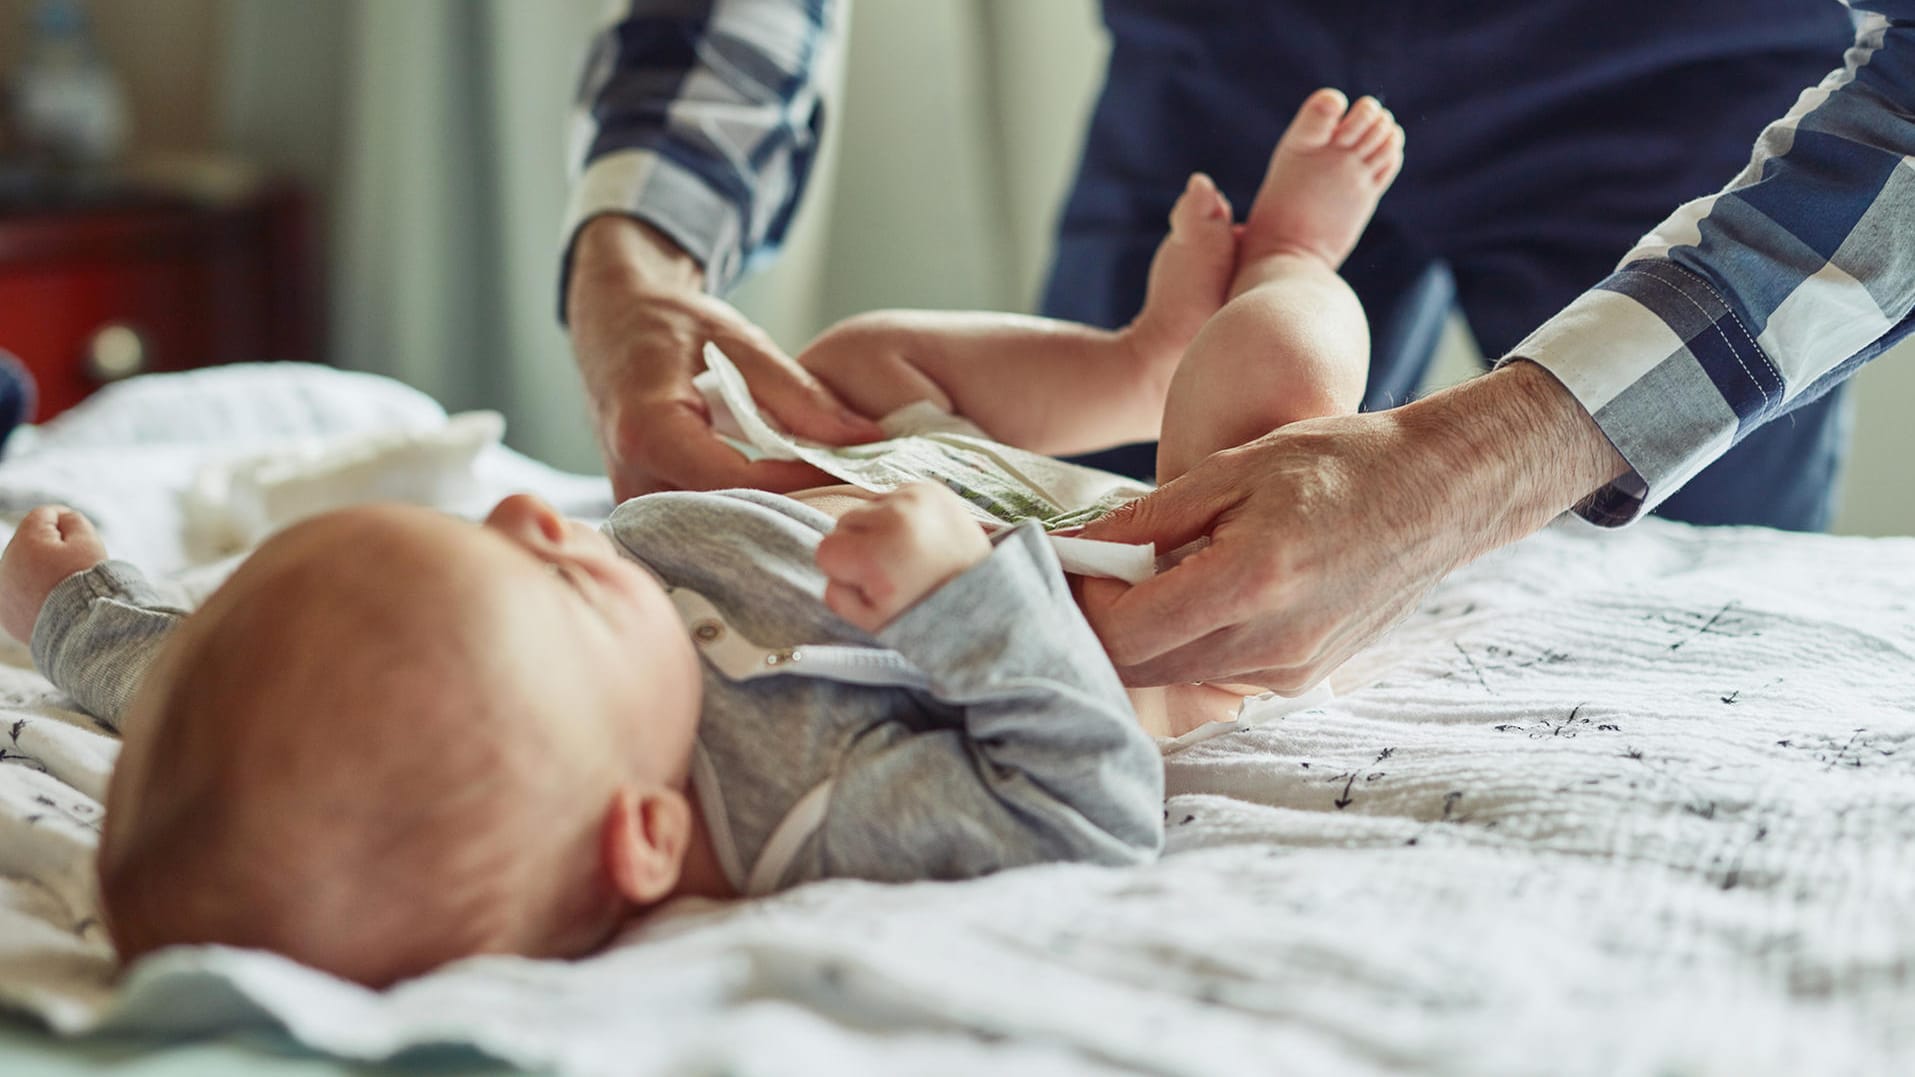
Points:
(1633, 802)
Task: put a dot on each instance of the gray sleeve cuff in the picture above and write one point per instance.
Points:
(98, 633)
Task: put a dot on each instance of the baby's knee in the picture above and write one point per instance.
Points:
(1296, 356)
(1254, 367)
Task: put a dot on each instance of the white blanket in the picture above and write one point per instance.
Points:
(1632, 802)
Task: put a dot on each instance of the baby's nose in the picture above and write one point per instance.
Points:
(527, 519)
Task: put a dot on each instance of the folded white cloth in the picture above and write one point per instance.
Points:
(154, 461)
(236, 502)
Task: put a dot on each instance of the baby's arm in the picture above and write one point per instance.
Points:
(95, 625)
(1028, 750)
(895, 549)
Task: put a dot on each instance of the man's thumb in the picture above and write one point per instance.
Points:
(1174, 515)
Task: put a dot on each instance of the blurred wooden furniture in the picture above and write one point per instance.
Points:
(143, 278)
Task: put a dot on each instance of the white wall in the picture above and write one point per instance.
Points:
(949, 140)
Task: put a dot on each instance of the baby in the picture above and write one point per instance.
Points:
(393, 738)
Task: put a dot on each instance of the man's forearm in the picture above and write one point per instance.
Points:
(629, 255)
(1512, 448)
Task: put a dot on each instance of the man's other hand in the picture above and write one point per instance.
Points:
(639, 321)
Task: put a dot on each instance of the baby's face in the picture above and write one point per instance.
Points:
(598, 614)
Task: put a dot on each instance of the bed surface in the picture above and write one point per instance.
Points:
(1609, 802)
(30, 1051)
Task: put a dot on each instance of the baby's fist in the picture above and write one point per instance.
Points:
(885, 556)
(52, 543)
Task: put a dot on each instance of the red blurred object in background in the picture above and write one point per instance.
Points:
(108, 287)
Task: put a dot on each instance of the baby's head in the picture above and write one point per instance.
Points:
(394, 738)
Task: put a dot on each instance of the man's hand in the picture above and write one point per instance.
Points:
(52, 543)
(639, 320)
(1326, 532)
(885, 556)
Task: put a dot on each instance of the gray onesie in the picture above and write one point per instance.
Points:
(982, 729)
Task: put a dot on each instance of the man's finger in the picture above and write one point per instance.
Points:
(1229, 654)
(1193, 599)
(1176, 514)
(798, 400)
(681, 451)
(1283, 654)
(1197, 661)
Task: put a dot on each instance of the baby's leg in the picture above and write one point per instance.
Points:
(1038, 383)
(1292, 342)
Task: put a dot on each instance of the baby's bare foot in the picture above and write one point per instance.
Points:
(1189, 275)
(1324, 179)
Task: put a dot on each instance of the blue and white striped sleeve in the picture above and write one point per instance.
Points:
(1755, 300)
(701, 117)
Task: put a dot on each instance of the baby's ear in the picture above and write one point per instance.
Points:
(644, 838)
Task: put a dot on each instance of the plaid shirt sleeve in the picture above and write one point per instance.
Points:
(1751, 302)
(701, 117)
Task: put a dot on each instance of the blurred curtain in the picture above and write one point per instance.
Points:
(434, 130)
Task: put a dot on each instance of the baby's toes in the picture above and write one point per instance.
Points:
(1201, 226)
(1317, 121)
(1201, 209)
(1377, 136)
(1387, 158)
(1358, 123)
